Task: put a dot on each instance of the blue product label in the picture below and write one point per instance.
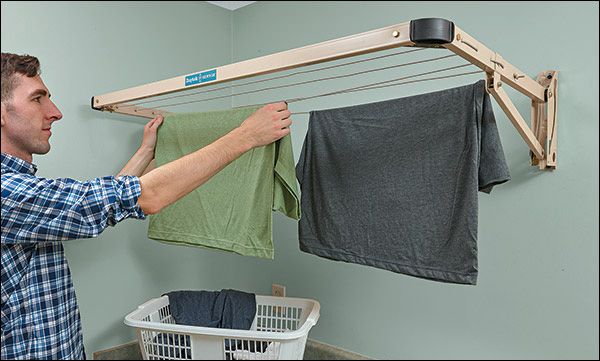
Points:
(203, 77)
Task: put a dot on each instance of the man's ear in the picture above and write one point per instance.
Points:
(4, 114)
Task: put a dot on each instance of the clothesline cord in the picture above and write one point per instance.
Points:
(306, 82)
(311, 81)
(347, 90)
(275, 78)
(381, 84)
(384, 86)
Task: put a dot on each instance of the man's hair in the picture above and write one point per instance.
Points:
(11, 65)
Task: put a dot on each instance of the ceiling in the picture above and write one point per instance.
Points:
(231, 5)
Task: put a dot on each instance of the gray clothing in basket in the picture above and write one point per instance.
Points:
(218, 309)
(394, 184)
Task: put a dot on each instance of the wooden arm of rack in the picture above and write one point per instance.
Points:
(124, 108)
(542, 92)
(367, 42)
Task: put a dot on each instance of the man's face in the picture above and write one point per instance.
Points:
(27, 119)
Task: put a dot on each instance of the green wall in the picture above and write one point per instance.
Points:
(537, 293)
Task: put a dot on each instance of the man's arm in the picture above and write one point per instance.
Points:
(145, 154)
(50, 210)
(170, 182)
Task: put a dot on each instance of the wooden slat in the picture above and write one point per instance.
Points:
(367, 42)
(136, 110)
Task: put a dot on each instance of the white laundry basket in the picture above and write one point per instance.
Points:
(279, 332)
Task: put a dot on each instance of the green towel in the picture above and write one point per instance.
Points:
(232, 211)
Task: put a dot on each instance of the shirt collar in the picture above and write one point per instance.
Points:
(17, 164)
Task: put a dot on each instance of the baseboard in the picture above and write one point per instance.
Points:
(126, 351)
(314, 350)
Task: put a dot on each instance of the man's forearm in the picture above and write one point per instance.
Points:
(138, 162)
(170, 182)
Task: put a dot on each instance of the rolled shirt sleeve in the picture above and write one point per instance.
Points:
(44, 210)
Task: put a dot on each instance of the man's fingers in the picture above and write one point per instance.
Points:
(286, 123)
(280, 106)
(283, 132)
(285, 114)
(156, 122)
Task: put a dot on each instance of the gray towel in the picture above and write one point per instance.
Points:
(394, 184)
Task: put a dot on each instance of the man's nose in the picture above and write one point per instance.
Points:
(53, 113)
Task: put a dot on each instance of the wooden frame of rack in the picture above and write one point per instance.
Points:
(429, 32)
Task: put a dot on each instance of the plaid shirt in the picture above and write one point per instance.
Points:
(40, 317)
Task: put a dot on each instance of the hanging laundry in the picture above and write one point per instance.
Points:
(394, 184)
(232, 211)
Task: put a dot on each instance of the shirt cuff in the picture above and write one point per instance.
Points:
(131, 190)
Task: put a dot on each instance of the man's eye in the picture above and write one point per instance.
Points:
(36, 99)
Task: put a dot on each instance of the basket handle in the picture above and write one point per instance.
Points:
(145, 304)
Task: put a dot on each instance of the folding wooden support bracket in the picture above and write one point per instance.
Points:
(429, 32)
(541, 137)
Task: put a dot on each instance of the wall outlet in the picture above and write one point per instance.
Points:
(277, 290)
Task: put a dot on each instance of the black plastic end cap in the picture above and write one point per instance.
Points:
(431, 31)
(92, 104)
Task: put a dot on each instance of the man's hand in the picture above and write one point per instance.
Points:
(267, 124)
(144, 155)
(150, 129)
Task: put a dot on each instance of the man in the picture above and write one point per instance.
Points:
(40, 316)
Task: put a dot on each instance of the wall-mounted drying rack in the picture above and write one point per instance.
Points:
(429, 32)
